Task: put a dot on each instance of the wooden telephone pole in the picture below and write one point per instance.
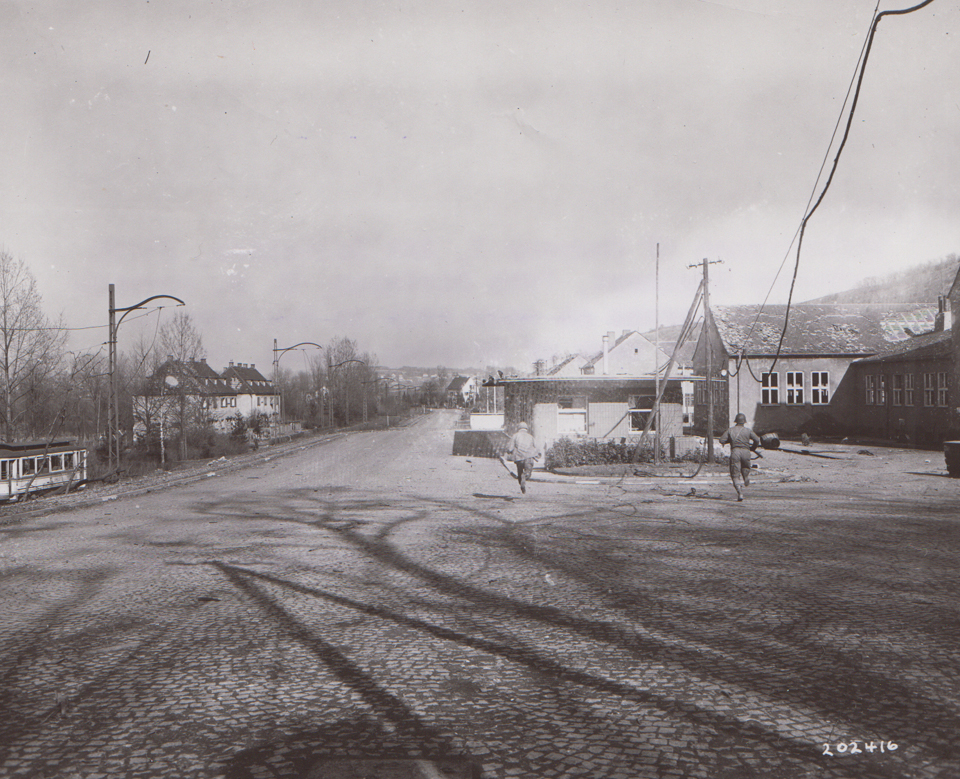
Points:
(706, 313)
(705, 264)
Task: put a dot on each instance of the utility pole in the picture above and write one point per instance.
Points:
(705, 264)
(113, 451)
(706, 314)
(277, 354)
(656, 361)
(114, 435)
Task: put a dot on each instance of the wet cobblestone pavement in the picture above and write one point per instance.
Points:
(375, 607)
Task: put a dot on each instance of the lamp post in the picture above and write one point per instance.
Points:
(277, 354)
(388, 383)
(113, 412)
(339, 365)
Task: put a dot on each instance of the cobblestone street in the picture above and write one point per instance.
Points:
(373, 606)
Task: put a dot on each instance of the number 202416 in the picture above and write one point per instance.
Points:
(853, 747)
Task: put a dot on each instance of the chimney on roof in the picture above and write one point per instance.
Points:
(203, 360)
(253, 365)
(944, 320)
(606, 351)
(231, 363)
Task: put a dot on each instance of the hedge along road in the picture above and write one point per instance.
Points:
(375, 604)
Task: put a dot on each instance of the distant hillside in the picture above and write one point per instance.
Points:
(920, 284)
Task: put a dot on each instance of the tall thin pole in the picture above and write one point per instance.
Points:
(656, 359)
(278, 417)
(113, 451)
(706, 315)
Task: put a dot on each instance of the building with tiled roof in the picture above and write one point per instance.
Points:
(904, 393)
(193, 391)
(801, 384)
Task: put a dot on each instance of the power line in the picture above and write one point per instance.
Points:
(846, 134)
(65, 329)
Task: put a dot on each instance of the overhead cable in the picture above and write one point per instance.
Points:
(846, 134)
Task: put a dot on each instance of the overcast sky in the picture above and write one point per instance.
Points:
(464, 183)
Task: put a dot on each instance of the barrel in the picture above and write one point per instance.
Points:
(770, 441)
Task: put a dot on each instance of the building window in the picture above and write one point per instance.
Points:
(572, 415)
(881, 390)
(870, 383)
(897, 389)
(770, 389)
(819, 388)
(688, 408)
(640, 410)
(908, 389)
(942, 390)
(795, 388)
(929, 390)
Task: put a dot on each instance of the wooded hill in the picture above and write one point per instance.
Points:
(919, 284)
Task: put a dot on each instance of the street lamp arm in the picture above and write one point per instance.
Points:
(280, 352)
(128, 309)
(345, 362)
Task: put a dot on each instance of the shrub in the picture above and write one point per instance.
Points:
(566, 453)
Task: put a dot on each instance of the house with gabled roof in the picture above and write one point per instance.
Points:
(571, 365)
(462, 391)
(255, 393)
(801, 384)
(629, 354)
(192, 391)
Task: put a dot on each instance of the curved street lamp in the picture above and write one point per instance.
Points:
(113, 412)
(277, 354)
(338, 365)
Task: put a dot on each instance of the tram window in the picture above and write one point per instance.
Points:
(4, 469)
(28, 466)
(68, 460)
(56, 462)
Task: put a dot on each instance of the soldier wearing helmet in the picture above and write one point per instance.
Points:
(742, 442)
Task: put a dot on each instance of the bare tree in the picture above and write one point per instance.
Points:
(31, 347)
(182, 343)
(180, 339)
(348, 372)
